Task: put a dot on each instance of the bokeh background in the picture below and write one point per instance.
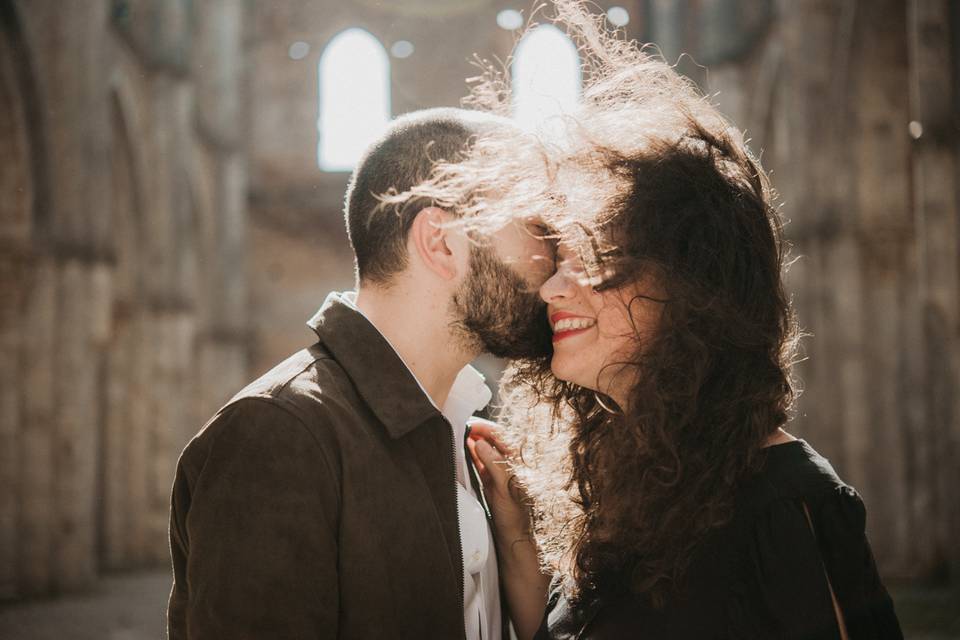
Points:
(171, 182)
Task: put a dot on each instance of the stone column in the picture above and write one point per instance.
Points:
(71, 66)
(811, 171)
(886, 234)
(16, 212)
(933, 128)
(38, 429)
(221, 120)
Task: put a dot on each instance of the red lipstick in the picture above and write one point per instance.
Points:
(561, 335)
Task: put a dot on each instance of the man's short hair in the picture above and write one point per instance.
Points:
(401, 159)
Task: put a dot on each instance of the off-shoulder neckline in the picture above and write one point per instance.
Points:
(784, 446)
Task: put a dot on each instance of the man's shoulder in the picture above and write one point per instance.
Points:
(284, 427)
(305, 396)
(299, 367)
(303, 382)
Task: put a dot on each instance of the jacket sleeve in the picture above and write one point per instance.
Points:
(253, 530)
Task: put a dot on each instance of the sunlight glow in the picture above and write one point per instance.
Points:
(298, 50)
(402, 49)
(546, 78)
(354, 98)
(510, 19)
(618, 16)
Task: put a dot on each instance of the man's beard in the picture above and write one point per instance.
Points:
(496, 311)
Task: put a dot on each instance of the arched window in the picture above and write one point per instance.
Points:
(354, 98)
(546, 77)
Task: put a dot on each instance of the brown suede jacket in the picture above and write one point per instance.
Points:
(320, 502)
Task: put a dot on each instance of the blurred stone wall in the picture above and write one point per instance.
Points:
(165, 232)
(853, 108)
(299, 249)
(122, 271)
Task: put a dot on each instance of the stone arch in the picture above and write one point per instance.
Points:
(17, 187)
(22, 110)
(199, 181)
(26, 317)
(189, 240)
(16, 181)
(203, 179)
(126, 203)
(186, 319)
(125, 412)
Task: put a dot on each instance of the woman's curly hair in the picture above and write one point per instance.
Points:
(632, 492)
(621, 499)
(649, 179)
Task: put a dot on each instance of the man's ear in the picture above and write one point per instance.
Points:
(436, 243)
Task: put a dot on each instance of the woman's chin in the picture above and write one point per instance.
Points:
(564, 368)
(558, 369)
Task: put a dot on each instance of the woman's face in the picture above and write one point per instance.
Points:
(594, 331)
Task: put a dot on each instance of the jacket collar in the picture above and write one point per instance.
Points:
(380, 376)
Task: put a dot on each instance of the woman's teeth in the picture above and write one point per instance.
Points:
(572, 324)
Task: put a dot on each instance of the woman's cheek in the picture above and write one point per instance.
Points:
(613, 322)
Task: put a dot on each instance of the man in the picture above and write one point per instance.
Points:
(331, 497)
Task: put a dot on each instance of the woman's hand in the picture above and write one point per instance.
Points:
(526, 585)
(507, 502)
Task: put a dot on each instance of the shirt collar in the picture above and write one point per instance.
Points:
(381, 376)
(382, 379)
(468, 394)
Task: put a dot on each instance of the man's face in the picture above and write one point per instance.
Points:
(497, 307)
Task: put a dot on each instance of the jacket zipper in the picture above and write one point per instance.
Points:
(456, 506)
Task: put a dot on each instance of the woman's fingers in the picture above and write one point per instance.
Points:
(487, 430)
(507, 503)
(490, 456)
(494, 464)
(481, 469)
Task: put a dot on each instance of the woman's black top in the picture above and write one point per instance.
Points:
(762, 575)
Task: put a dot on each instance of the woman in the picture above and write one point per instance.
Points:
(662, 490)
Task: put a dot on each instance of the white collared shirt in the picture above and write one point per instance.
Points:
(481, 583)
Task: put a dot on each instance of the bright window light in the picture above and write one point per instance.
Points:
(402, 49)
(546, 78)
(298, 50)
(354, 98)
(510, 19)
(618, 16)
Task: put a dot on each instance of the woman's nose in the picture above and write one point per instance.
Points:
(557, 287)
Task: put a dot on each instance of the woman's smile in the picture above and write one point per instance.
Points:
(566, 325)
(591, 329)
